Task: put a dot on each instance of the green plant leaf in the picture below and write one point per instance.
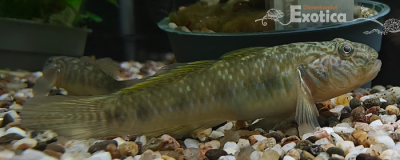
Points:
(92, 16)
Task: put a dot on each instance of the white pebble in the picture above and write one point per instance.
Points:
(362, 99)
(131, 158)
(16, 130)
(382, 100)
(227, 158)
(100, 156)
(288, 146)
(397, 146)
(343, 125)
(6, 154)
(119, 140)
(137, 157)
(343, 129)
(214, 144)
(191, 143)
(389, 154)
(322, 141)
(226, 127)
(13, 114)
(242, 143)
(259, 138)
(141, 139)
(388, 118)
(288, 158)
(337, 137)
(36, 153)
(389, 143)
(172, 25)
(278, 148)
(328, 130)
(231, 148)
(29, 141)
(6, 97)
(307, 135)
(345, 146)
(323, 155)
(216, 134)
(376, 123)
(256, 155)
(352, 155)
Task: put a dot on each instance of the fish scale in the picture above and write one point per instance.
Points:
(280, 84)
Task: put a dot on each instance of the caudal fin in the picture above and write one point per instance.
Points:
(70, 116)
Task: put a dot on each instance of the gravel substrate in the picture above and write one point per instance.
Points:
(360, 125)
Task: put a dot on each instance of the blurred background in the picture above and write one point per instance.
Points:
(130, 31)
(144, 40)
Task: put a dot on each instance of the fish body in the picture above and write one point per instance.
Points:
(80, 76)
(279, 84)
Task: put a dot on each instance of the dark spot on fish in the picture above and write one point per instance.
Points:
(142, 113)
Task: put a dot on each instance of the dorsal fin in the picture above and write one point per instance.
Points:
(239, 53)
(168, 74)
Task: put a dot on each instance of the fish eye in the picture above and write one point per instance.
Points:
(346, 50)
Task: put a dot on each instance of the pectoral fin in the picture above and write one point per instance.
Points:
(45, 83)
(306, 111)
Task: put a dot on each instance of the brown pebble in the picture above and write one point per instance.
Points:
(327, 114)
(23, 146)
(247, 133)
(395, 137)
(10, 137)
(12, 124)
(374, 117)
(290, 139)
(325, 104)
(374, 110)
(112, 148)
(392, 110)
(358, 113)
(128, 149)
(240, 124)
(53, 153)
(55, 147)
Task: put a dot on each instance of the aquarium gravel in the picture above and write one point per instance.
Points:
(363, 124)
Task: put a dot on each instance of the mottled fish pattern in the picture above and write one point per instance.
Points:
(80, 76)
(280, 84)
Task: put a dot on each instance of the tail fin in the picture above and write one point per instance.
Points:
(70, 116)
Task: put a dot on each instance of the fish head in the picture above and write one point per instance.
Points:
(51, 67)
(342, 67)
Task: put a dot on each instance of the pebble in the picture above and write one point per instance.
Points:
(392, 110)
(128, 149)
(101, 146)
(16, 130)
(231, 148)
(191, 143)
(270, 155)
(214, 154)
(335, 150)
(306, 156)
(372, 102)
(25, 143)
(10, 137)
